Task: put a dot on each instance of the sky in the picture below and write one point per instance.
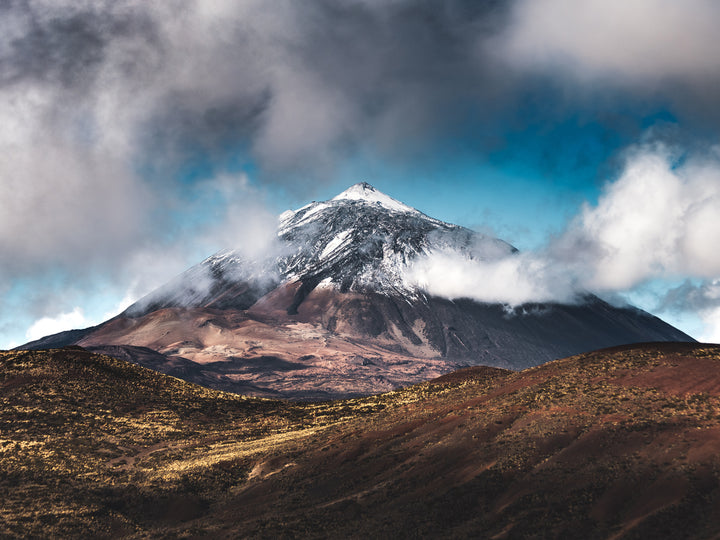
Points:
(137, 138)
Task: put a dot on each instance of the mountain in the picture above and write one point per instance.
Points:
(329, 311)
(360, 241)
(619, 443)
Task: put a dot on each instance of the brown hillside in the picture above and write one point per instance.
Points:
(621, 443)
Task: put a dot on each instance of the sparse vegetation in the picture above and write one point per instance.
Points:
(623, 441)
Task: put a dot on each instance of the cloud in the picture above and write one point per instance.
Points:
(610, 56)
(116, 115)
(106, 105)
(512, 279)
(76, 318)
(240, 221)
(711, 333)
(52, 325)
(68, 183)
(60, 206)
(245, 223)
(701, 298)
(292, 83)
(640, 41)
(691, 296)
(657, 220)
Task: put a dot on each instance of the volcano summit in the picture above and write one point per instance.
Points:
(333, 313)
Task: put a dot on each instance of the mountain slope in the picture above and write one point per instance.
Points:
(330, 311)
(619, 443)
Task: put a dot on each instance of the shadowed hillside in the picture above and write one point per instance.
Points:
(623, 442)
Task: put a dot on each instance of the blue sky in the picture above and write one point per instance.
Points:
(139, 138)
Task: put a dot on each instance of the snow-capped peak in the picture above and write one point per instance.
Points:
(362, 240)
(368, 194)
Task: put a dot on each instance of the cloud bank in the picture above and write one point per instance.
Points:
(658, 219)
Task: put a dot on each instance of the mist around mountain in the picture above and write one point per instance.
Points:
(333, 308)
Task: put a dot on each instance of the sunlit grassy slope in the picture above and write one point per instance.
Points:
(620, 442)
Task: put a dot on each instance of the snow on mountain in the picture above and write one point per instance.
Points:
(361, 240)
(367, 194)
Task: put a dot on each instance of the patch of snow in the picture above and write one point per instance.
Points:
(326, 283)
(314, 209)
(335, 243)
(305, 215)
(366, 193)
(286, 216)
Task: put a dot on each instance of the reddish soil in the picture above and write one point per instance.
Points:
(266, 352)
(556, 451)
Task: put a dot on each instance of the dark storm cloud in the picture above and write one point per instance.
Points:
(335, 76)
(93, 92)
(298, 86)
(297, 83)
(65, 48)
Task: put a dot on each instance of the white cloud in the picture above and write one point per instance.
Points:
(658, 220)
(655, 220)
(711, 332)
(638, 40)
(52, 325)
(700, 299)
(510, 279)
(245, 224)
(125, 302)
(75, 319)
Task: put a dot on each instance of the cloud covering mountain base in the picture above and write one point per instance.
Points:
(657, 220)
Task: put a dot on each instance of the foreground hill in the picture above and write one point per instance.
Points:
(622, 442)
(334, 311)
